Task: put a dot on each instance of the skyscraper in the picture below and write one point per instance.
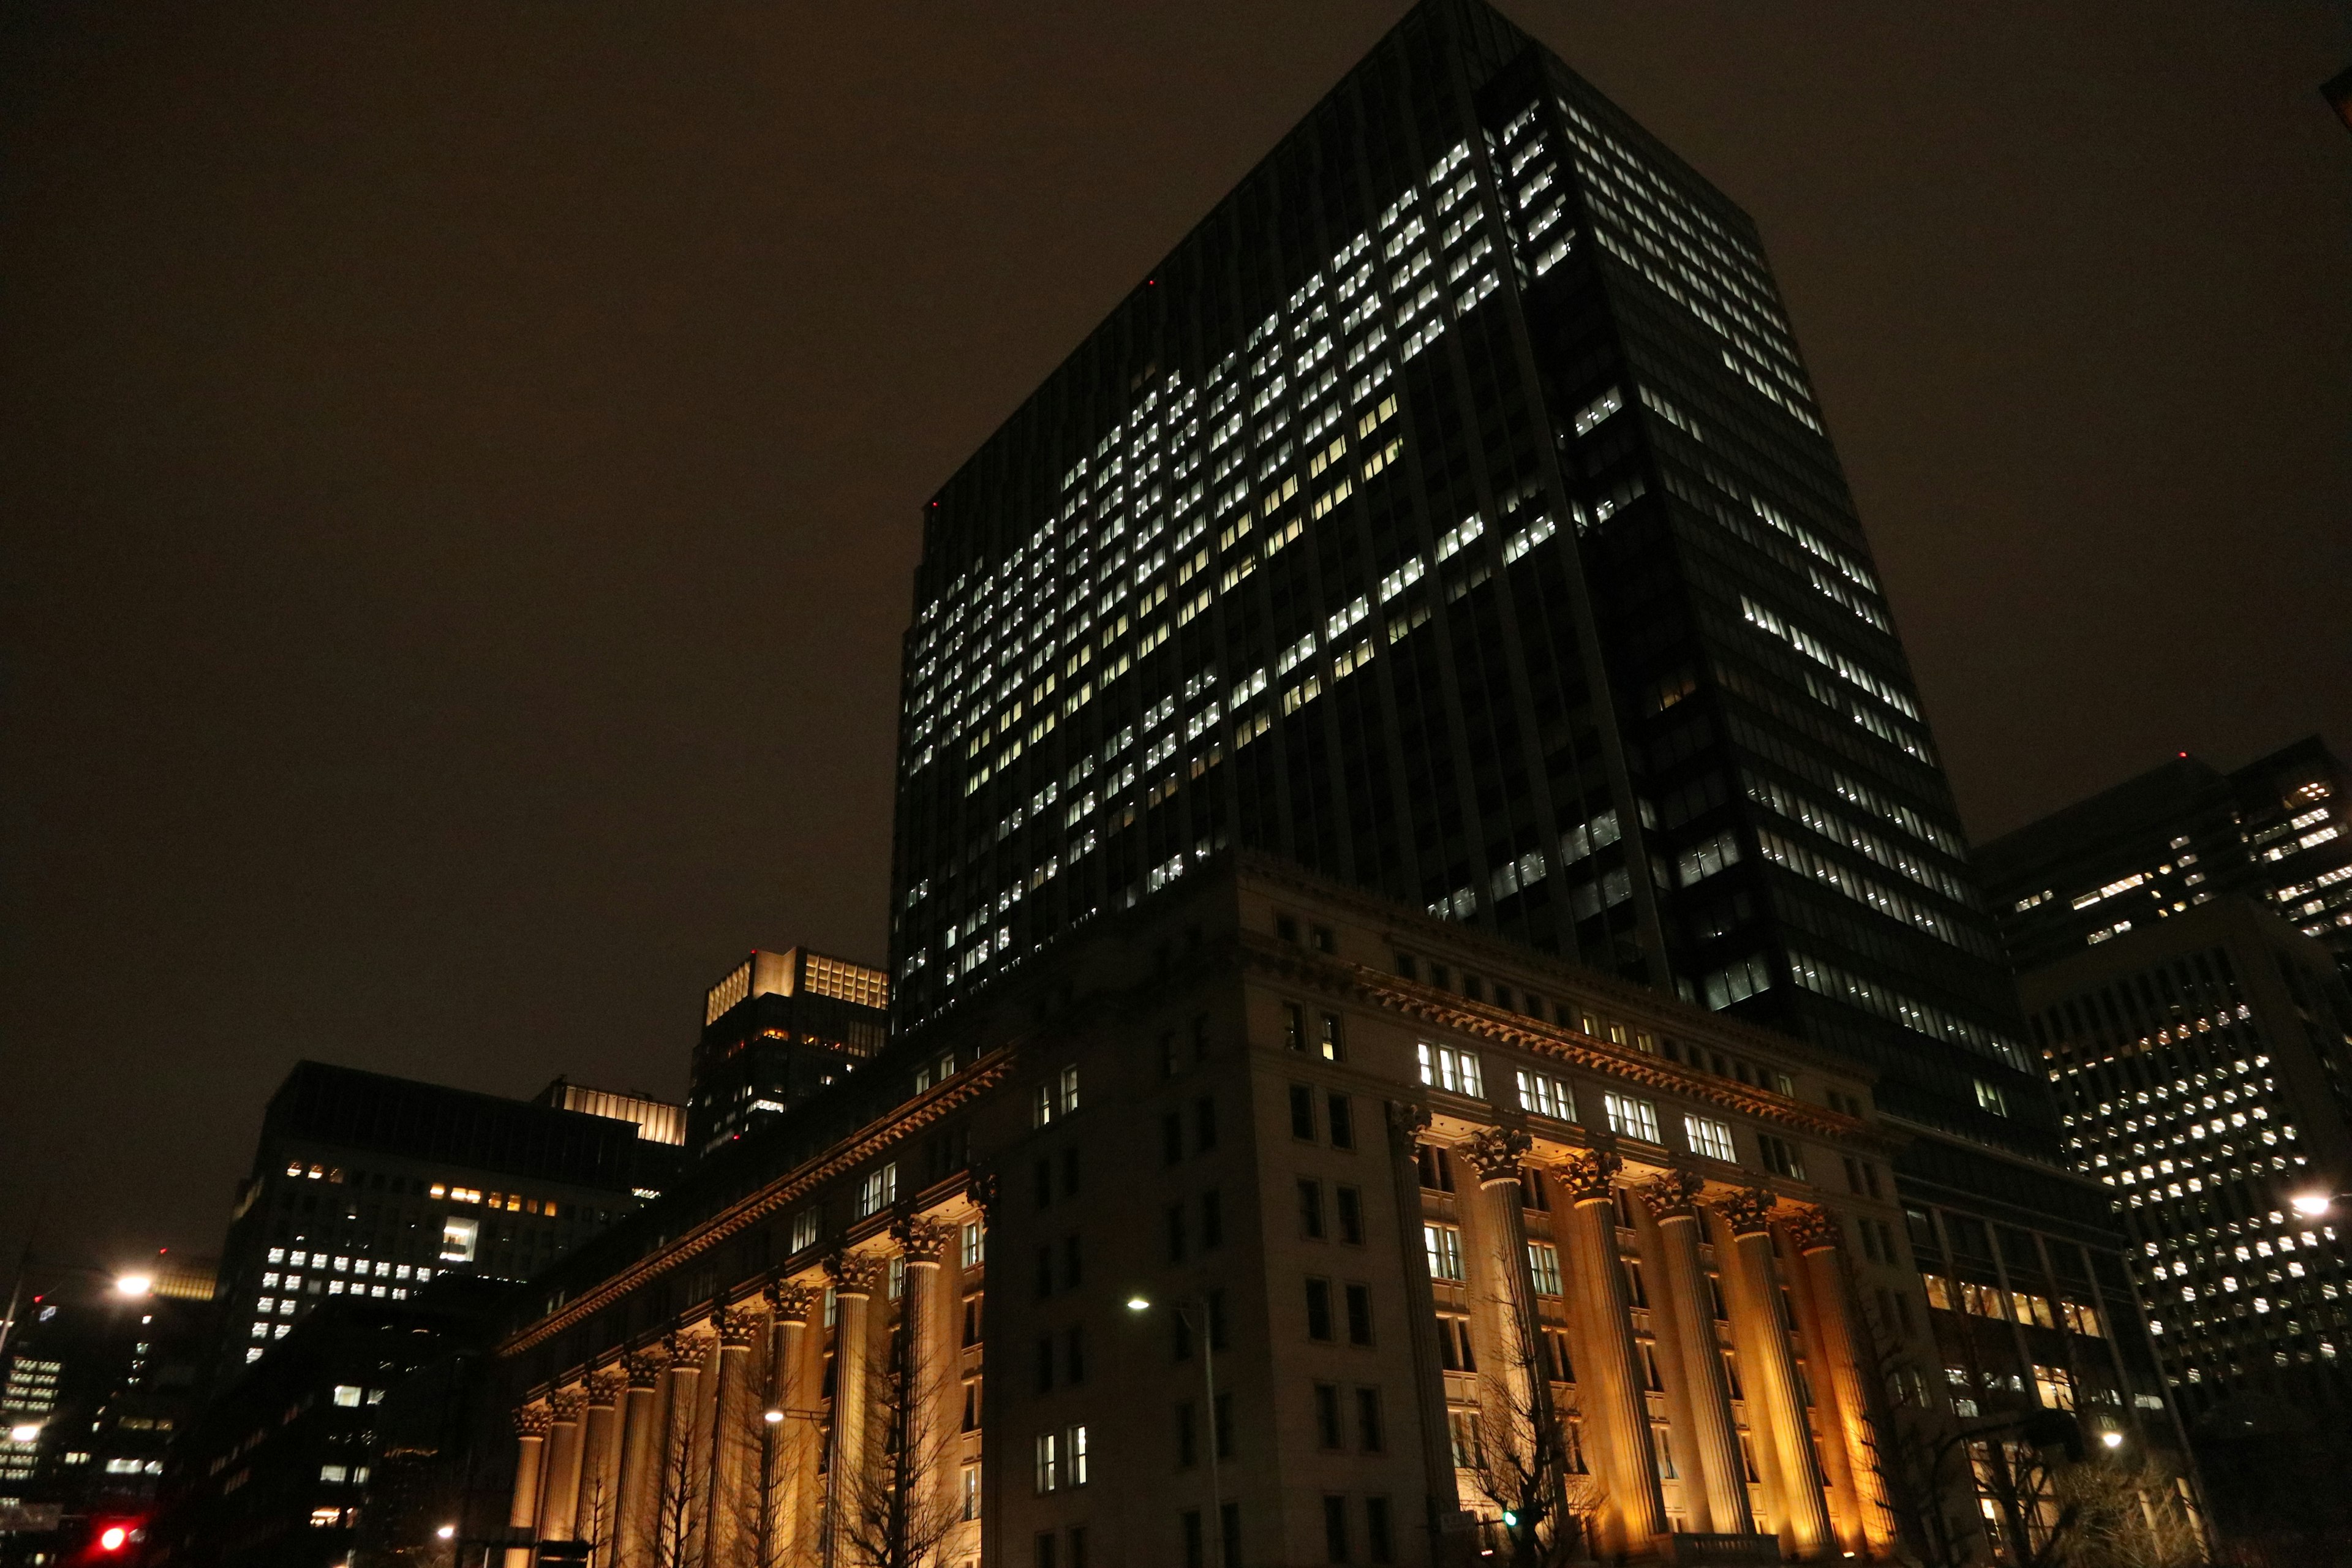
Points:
(1451, 512)
(778, 1027)
(2278, 829)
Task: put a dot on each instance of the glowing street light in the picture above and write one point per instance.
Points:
(446, 1532)
(2311, 1205)
(134, 1284)
(772, 1417)
(25, 1432)
(2111, 1439)
(112, 1537)
(1139, 1303)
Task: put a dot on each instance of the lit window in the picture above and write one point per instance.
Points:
(1543, 1263)
(1456, 1071)
(333, 1474)
(326, 1518)
(1709, 1137)
(1990, 1097)
(878, 1191)
(1444, 1244)
(458, 1238)
(1546, 1096)
(1631, 1118)
(347, 1396)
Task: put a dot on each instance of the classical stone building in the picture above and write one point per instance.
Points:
(1321, 1231)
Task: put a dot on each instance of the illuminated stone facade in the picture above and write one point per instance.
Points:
(1428, 1203)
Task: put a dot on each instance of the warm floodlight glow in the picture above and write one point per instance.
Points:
(772, 1416)
(2311, 1205)
(446, 1531)
(2111, 1439)
(24, 1432)
(1139, 1303)
(134, 1284)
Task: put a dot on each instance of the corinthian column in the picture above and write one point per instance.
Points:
(1495, 1155)
(560, 1494)
(530, 1424)
(781, 1463)
(641, 1449)
(1817, 1235)
(730, 1433)
(600, 1464)
(680, 1492)
(928, 1423)
(1609, 1379)
(1791, 1484)
(854, 1280)
(1714, 1434)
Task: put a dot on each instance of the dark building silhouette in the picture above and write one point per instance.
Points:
(373, 1187)
(2278, 829)
(1451, 512)
(778, 1027)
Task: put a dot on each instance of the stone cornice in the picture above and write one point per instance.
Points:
(774, 1197)
(1445, 1010)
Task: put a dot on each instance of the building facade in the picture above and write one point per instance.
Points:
(2278, 830)
(1269, 1223)
(1451, 513)
(780, 1027)
(372, 1187)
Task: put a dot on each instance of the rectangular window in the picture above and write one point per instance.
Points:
(1343, 1119)
(878, 1191)
(1326, 1414)
(1044, 1550)
(1187, 1439)
(1175, 1233)
(458, 1239)
(1071, 1272)
(805, 1229)
(1302, 1113)
(1543, 1262)
(1204, 1124)
(1540, 1094)
(1078, 1455)
(1335, 1530)
(1360, 1314)
(1632, 1118)
(1049, 1461)
(1350, 1205)
(1293, 1027)
(1378, 1545)
(1443, 1244)
(1171, 1138)
(1319, 1308)
(1453, 1070)
(1311, 1208)
(1454, 1352)
(1709, 1137)
(1213, 1219)
(1194, 1543)
(1372, 1435)
(1779, 1157)
(974, 1250)
(972, 1491)
(1327, 1035)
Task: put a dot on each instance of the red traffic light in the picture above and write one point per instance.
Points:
(113, 1538)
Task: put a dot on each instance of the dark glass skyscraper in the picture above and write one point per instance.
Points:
(1451, 511)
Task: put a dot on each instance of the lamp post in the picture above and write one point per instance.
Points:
(1193, 1311)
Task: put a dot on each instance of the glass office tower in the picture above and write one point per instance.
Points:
(1451, 512)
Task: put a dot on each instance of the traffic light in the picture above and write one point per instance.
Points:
(111, 1541)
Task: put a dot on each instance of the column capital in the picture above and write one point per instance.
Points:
(1748, 1211)
(1673, 1195)
(1591, 1177)
(1408, 1125)
(924, 1241)
(566, 1404)
(1815, 1229)
(982, 1189)
(643, 1369)
(605, 1387)
(737, 1326)
(685, 1351)
(531, 1421)
(790, 1301)
(853, 1275)
(1497, 1153)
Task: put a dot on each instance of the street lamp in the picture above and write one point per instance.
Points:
(2311, 1205)
(134, 1284)
(2111, 1439)
(446, 1532)
(25, 1432)
(1193, 1311)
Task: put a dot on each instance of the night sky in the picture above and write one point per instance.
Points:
(460, 464)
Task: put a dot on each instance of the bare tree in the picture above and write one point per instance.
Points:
(1529, 1469)
(892, 1512)
(2127, 1516)
(677, 1505)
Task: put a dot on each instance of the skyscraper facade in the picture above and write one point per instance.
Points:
(1451, 512)
(778, 1027)
(2181, 834)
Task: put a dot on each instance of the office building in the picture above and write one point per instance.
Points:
(1417, 1195)
(1451, 512)
(368, 1186)
(99, 1375)
(282, 1469)
(2278, 829)
(778, 1027)
(2203, 1063)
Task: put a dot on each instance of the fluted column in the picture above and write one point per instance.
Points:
(1495, 1155)
(730, 1434)
(782, 1466)
(600, 1465)
(681, 1490)
(1791, 1482)
(530, 1424)
(1609, 1378)
(854, 1282)
(641, 1449)
(1817, 1236)
(1715, 1431)
(560, 1492)
(928, 1423)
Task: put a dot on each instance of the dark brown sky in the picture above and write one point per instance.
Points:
(459, 464)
